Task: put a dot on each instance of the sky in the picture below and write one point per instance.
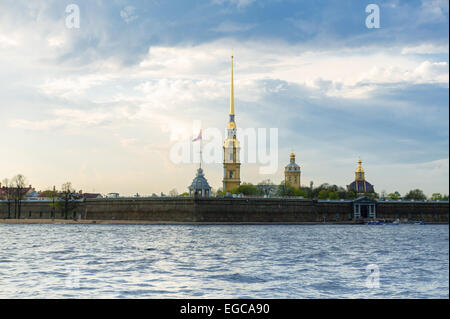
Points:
(102, 105)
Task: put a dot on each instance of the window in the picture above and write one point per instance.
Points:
(231, 156)
(231, 174)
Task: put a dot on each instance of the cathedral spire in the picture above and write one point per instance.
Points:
(232, 89)
(231, 122)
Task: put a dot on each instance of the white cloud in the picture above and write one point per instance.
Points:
(128, 14)
(425, 72)
(433, 11)
(229, 27)
(425, 48)
(238, 3)
(8, 41)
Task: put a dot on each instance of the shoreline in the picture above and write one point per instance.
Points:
(148, 222)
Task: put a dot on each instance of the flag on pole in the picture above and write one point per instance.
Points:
(198, 138)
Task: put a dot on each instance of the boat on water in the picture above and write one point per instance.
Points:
(375, 222)
(395, 222)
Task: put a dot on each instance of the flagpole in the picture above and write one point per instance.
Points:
(201, 141)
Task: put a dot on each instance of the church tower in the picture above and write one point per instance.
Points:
(231, 162)
(292, 173)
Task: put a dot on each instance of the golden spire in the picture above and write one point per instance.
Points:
(359, 173)
(232, 89)
(359, 169)
(231, 123)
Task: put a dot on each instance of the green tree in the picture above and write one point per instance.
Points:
(394, 196)
(300, 192)
(436, 196)
(415, 194)
(248, 189)
(333, 195)
(350, 195)
(285, 189)
(323, 194)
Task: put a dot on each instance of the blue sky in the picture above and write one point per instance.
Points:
(101, 105)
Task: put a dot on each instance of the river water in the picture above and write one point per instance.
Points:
(224, 261)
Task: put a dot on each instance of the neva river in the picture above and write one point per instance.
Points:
(185, 261)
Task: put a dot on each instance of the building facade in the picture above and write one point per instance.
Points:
(292, 173)
(231, 149)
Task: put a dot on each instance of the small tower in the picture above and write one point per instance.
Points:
(231, 149)
(292, 173)
(200, 186)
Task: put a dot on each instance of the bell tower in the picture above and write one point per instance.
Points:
(231, 149)
(292, 173)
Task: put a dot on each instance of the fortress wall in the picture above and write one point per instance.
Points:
(254, 210)
(233, 210)
(426, 211)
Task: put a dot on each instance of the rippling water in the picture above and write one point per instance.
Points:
(231, 261)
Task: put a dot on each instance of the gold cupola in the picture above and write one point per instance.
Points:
(359, 173)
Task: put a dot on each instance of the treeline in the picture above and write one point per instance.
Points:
(323, 192)
(14, 191)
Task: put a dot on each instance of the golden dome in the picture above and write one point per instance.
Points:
(232, 125)
(292, 155)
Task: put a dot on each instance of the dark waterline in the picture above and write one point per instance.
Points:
(223, 261)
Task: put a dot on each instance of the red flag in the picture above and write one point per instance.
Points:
(198, 138)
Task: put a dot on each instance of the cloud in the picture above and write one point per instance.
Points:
(426, 48)
(230, 27)
(128, 14)
(238, 3)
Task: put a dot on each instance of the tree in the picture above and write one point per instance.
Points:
(248, 189)
(436, 196)
(323, 194)
(415, 194)
(350, 195)
(394, 196)
(284, 189)
(67, 198)
(53, 195)
(267, 187)
(8, 194)
(173, 193)
(333, 195)
(18, 184)
(300, 193)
